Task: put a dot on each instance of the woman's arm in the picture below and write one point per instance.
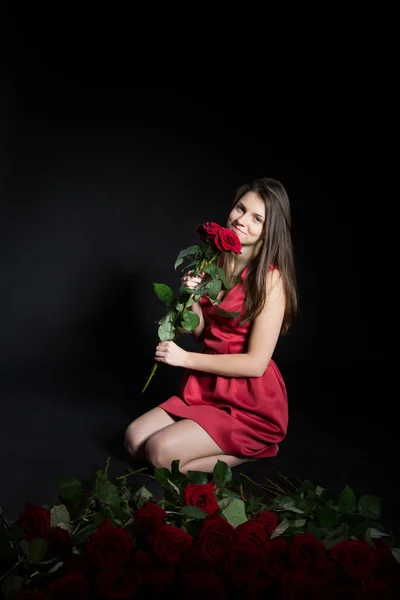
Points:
(263, 339)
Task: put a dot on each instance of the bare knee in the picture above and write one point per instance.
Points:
(133, 442)
(158, 452)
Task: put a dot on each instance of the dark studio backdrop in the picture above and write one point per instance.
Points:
(107, 172)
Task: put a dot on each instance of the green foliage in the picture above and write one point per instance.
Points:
(304, 507)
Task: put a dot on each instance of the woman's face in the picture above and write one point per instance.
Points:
(247, 219)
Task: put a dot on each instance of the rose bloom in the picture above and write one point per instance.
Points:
(148, 518)
(208, 230)
(357, 558)
(296, 586)
(268, 519)
(306, 551)
(26, 595)
(197, 586)
(216, 538)
(113, 584)
(74, 585)
(35, 519)
(251, 531)
(109, 546)
(223, 238)
(201, 495)
(148, 573)
(59, 541)
(240, 564)
(374, 590)
(226, 240)
(387, 569)
(272, 557)
(170, 542)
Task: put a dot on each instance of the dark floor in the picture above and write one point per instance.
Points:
(56, 425)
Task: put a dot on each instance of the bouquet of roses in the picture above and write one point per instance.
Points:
(201, 259)
(204, 536)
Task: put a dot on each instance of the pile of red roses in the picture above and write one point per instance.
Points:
(150, 558)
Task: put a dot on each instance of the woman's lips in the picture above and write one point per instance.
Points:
(237, 230)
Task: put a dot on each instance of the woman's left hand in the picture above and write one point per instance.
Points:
(170, 354)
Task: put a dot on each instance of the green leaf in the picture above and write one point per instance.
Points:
(105, 491)
(197, 477)
(11, 586)
(314, 530)
(119, 515)
(193, 512)
(335, 535)
(283, 525)
(164, 293)
(190, 320)
(328, 517)
(222, 276)
(370, 506)
(37, 550)
(235, 512)
(396, 553)
(190, 251)
(59, 515)
(226, 314)
(141, 496)
(70, 488)
(178, 262)
(166, 331)
(162, 475)
(222, 474)
(213, 288)
(84, 534)
(347, 500)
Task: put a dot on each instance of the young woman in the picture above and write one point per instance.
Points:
(232, 404)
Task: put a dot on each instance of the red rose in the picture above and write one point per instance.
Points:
(201, 495)
(306, 551)
(374, 591)
(113, 584)
(197, 586)
(148, 518)
(208, 230)
(74, 585)
(240, 564)
(272, 557)
(261, 587)
(388, 569)
(357, 558)
(223, 238)
(251, 531)
(193, 561)
(296, 586)
(59, 541)
(35, 519)
(109, 546)
(77, 563)
(31, 596)
(268, 519)
(324, 574)
(216, 538)
(226, 240)
(146, 572)
(170, 542)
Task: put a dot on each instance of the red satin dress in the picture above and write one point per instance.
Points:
(246, 416)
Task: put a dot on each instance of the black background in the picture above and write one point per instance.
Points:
(110, 161)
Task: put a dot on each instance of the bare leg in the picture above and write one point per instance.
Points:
(189, 443)
(139, 431)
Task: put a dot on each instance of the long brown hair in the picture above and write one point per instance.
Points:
(276, 250)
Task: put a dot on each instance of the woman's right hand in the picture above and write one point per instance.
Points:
(190, 281)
